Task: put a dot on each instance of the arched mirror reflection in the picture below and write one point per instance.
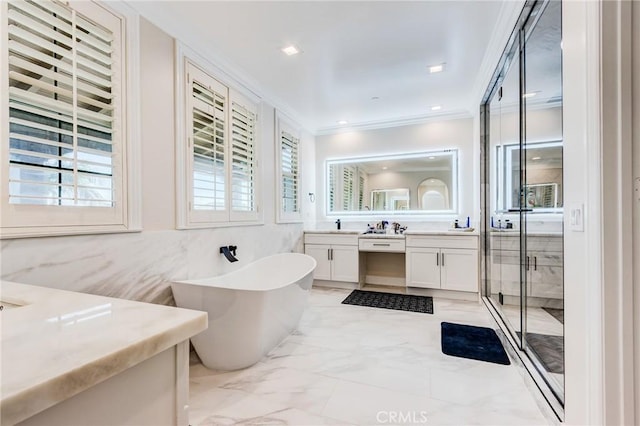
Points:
(433, 194)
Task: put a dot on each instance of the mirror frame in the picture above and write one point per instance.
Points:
(455, 192)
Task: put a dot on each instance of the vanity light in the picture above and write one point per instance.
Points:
(432, 158)
(290, 50)
(436, 108)
(436, 68)
(343, 122)
(384, 168)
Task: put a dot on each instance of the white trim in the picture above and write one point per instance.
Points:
(394, 122)
(617, 245)
(133, 169)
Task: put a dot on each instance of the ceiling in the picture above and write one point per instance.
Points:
(352, 53)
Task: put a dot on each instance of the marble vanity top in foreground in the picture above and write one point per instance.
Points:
(56, 344)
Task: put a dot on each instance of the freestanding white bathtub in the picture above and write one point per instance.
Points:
(250, 310)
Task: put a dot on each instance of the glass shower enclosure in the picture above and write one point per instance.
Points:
(522, 202)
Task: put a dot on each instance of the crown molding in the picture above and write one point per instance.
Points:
(394, 122)
(228, 72)
(506, 22)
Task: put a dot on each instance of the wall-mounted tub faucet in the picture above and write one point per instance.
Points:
(229, 252)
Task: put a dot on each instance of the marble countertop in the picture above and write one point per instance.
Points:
(56, 344)
(333, 231)
(363, 235)
(437, 233)
(516, 233)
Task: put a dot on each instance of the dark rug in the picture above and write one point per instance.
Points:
(556, 313)
(467, 341)
(549, 349)
(399, 302)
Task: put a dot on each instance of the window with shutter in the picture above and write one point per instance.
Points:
(65, 117)
(244, 159)
(218, 164)
(288, 141)
(207, 120)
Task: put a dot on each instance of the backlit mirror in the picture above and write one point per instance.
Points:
(418, 183)
(543, 190)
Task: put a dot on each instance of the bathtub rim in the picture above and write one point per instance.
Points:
(202, 282)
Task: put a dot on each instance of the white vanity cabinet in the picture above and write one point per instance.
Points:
(442, 262)
(336, 254)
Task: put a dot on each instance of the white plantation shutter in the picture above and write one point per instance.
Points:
(219, 167)
(289, 163)
(332, 187)
(244, 159)
(362, 178)
(207, 106)
(348, 187)
(65, 71)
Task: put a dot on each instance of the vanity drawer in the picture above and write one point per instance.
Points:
(335, 239)
(382, 244)
(445, 241)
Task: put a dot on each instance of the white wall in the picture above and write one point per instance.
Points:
(140, 266)
(429, 136)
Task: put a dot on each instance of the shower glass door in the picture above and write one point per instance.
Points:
(541, 194)
(503, 227)
(523, 191)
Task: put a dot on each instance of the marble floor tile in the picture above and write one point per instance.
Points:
(365, 366)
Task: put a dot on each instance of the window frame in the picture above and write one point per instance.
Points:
(185, 218)
(28, 220)
(285, 124)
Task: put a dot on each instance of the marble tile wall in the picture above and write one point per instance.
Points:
(139, 266)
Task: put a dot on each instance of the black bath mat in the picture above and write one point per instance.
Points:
(550, 350)
(467, 341)
(399, 302)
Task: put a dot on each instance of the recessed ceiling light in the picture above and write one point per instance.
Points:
(529, 95)
(536, 158)
(436, 108)
(432, 158)
(385, 168)
(436, 68)
(290, 50)
(343, 122)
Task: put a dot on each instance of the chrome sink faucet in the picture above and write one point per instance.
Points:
(338, 224)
